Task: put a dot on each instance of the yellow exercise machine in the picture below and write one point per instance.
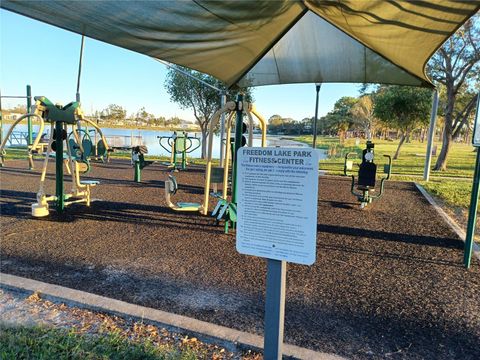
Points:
(37, 145)
(221, 174)
(60, 118)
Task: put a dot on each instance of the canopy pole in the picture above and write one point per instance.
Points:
(82, 44)
(317, 88)
(223, 101)
(431, 135)
(472, 213)
(238, 145)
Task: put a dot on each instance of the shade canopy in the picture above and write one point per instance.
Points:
(262, 42)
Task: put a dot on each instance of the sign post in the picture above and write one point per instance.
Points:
(277, 219)
(472, 214)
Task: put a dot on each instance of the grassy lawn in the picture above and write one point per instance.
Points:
(454, 193)
(461, 160)
(48, 343)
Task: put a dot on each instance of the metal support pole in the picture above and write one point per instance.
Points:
(472, 214)
(223, 100)
(431, 134)
(29, 120)
(174, 151)
(59, 166)
(184, 152)
(274, 309)
(314, 144)
(238, 145)
(138, 172)
(80, 68)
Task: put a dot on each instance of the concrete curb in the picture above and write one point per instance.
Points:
(457, 229)
(204, 331)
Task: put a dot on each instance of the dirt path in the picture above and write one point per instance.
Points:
(388, 281)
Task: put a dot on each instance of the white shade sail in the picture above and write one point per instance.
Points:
(270, 42)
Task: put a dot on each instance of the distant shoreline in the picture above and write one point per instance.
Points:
(125, 127)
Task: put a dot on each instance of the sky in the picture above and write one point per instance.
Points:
(46, 57)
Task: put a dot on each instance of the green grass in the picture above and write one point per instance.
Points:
(460, 163)
(48, 343)
(454, 193)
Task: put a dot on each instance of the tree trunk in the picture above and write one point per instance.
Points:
(441, 164)
(402, 140)
(204, 142)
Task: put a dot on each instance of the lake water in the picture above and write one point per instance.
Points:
(149, 138)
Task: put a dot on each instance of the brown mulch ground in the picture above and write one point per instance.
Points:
(388, 281)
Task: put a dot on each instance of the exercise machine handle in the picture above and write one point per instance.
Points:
(168, 138)
(389, 164)
(348, 157)
(192, 147)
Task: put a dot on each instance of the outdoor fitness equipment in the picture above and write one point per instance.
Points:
(88, 150)
(179, 144)
(138, 161)
(227, 209)
(367, 174)
(33, 148)
(171, 187)
(60, 118)
(30, 133)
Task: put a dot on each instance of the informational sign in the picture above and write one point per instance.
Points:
(277, 203)
(476, 127)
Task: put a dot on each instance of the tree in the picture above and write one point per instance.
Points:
(142, 117)
(113, 113)
(173, 121)
(363, 116)
(192, 94)
(456, 66)
(340, 119)
(402, 107)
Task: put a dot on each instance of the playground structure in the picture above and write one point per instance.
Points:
(179, 144)
(224, 209)
(367, 174)
(78, 149)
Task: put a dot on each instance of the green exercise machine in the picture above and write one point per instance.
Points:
(225, 208)
(60, 118)
(87, 151)
(364, 187)
(179, 144)
(139, 162)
